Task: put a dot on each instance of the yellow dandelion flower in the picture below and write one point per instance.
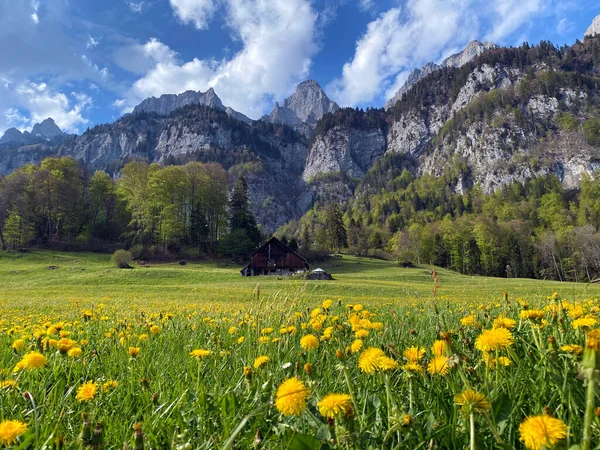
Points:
(592, 340)
(232, 330)
(75, 352)
(155, 329)
(439, 365)
(309, 342)
(334, 406)
(469, 321)
(241, 339)
(7, 384)
(439, 348)
(264, 339)
(574, 349)
(327, 304)
(387, 363)
(10, 430)
(87, 391)
(261, 361)
(32, 361)
(369, 360)
(356, 346)
(142, 337)
(414, 354)
(413, 366)
(110, 385)
(538, 432)
(133, 351)
(504, 322)
(200, 353)
(291, 396)
(531, 314)
(361, 334)
(584, 322)
(471, 401)
(494, 339)
(18, 345)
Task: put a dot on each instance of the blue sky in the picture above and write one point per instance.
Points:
(85, 62)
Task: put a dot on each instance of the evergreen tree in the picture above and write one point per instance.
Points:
(336, 230)
(241, 217)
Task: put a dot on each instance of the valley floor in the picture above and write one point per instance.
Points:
(86, 278)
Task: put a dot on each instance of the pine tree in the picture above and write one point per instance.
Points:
(336, 230)
(241, 217)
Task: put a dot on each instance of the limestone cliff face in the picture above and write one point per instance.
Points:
(471, 51)
(345, 150)
(303, 109)
(594, 28)
(167, 103)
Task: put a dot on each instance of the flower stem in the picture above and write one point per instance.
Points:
(351, 392)
(589, 414)
(472, 422)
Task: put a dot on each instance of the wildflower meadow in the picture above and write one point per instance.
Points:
(291, 371)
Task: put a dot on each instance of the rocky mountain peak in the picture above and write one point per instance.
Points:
(12, 135)
(594, 28)
(470, 52)
(47, 129)
(304, 107)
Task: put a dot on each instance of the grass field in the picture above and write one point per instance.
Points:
(196, 357)
(85, 278)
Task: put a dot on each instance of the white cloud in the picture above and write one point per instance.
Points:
(140, 58)
(92, 42)
(136, 7)
(564, 26)
(197, 12)
(278, 42)
(34, 16)
(366, 5)
(42, 102)
(510, 15)
(399, 39)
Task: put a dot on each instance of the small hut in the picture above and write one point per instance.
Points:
(274, 258)
(319, 274)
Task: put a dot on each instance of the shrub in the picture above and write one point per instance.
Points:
(122, 259)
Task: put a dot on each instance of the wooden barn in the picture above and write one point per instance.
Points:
(274, 258)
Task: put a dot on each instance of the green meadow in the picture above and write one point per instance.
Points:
(26, 280)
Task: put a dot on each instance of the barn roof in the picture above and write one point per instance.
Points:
(277, 241)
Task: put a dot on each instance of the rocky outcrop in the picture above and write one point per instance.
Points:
(472, 50)
(594, 28)
(47, 131)
(166, 104)
(345, 150)
(303, 109)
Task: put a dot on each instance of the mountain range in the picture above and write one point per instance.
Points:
(493, 115)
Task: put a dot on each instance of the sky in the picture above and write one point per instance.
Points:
(85, 62)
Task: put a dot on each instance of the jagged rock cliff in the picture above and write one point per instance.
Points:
(303, 109)
(472, 50)
(168, 103)
(594, 28)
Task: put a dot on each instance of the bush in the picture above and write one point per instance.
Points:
(122, 259)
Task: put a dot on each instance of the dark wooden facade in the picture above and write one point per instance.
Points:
(274, 258)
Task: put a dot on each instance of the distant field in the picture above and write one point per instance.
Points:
(85, 278)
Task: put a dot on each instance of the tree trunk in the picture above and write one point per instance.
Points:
(2, 241)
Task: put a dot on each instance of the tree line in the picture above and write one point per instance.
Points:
(533, 229)
(152, 209)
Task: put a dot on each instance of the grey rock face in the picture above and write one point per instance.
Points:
(303, 108)
(472, 50)
(13, 136)
(168, 103)
(594, 28)
(47, 129)
(345, 150)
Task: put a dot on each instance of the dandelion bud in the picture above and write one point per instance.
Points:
(155, 398)
(547, 411)
(339, 354)
(407, 420)
(591, 354)
(257, 439)
(86, 430)
(138, 437)
(59, 443)
(97, 441)
(308, 368)
(597, 411)
(552, 343)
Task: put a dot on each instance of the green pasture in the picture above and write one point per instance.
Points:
(27, 281)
